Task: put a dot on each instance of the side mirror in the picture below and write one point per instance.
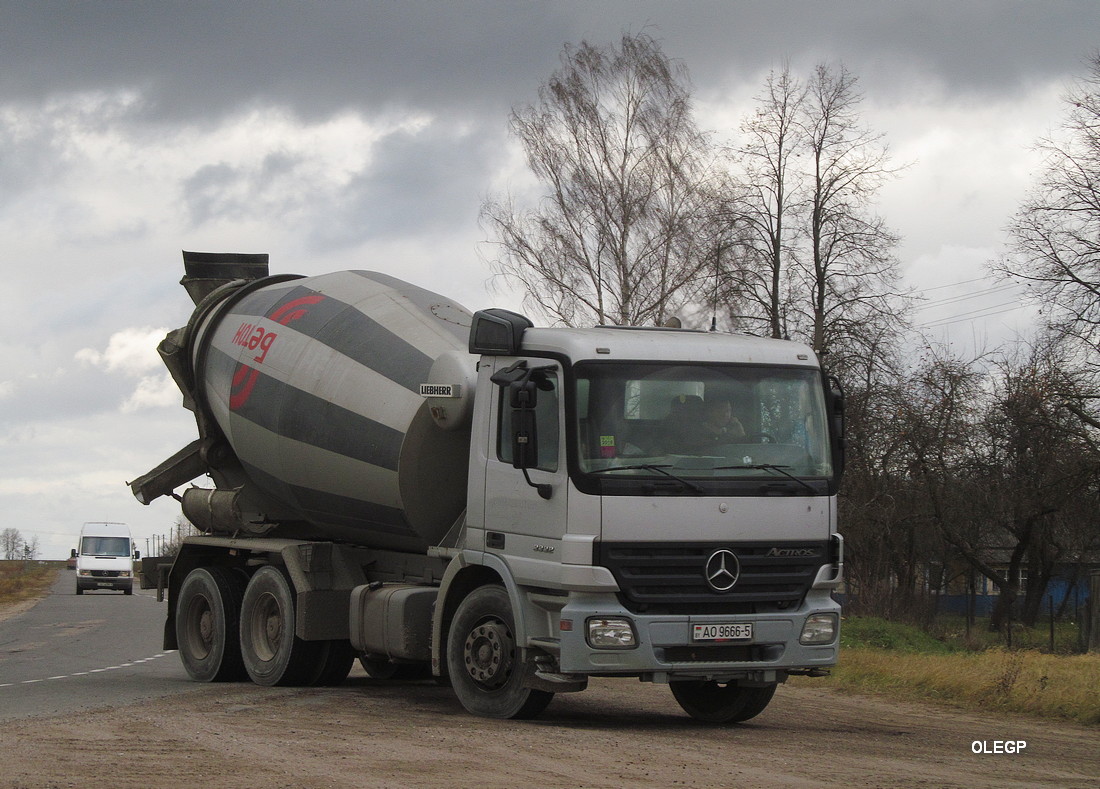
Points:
(523, 394)
(72, 553)
(834, 395)
(137, 555)
(838, 413)
(523, 385)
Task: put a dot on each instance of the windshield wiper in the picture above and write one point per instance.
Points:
(654, 467)
(771, 467)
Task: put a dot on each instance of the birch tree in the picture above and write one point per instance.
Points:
(620, 233)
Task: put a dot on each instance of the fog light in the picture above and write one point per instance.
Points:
(611, 634)
(819, 629)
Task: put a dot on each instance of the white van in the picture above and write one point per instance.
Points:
(105, 559)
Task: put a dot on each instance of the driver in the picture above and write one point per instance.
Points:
(717, 426)
(719, 423)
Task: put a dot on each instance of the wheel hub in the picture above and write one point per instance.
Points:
(488, 654)
(206, 627)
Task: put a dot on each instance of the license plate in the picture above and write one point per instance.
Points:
(741, 631)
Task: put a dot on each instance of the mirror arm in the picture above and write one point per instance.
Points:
(545, 489)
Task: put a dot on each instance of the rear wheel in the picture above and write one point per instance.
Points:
(381, 668)
(713, 702)
(484, 662)
(208, 610)
(272, 653)
(333, 664)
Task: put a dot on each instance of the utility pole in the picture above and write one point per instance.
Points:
(1094, 611)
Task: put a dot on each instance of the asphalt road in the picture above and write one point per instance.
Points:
(73, 653)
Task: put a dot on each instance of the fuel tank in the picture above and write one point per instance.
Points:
(316, 385)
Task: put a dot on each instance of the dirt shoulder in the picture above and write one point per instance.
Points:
(368, 733)
(9, 610)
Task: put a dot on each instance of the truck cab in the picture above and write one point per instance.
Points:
(660, 503)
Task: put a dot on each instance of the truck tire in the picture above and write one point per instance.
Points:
(483, 661)
(712, 702)
(208, 610)
(381, 668)
(272, 653)
(333, 664)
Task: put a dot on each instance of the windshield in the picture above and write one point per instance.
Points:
(105, 546)
(726, 421)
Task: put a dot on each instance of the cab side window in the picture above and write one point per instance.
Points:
(546, 426)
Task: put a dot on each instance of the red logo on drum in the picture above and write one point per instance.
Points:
(256, 338)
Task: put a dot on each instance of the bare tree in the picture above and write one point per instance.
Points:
(767, 201)
(31, 549)
(998, 472)
(850, 271)
(621, 231)
(1055, 236)
(11, 542)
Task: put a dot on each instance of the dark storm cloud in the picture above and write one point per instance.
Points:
(199, 59)
(191, 60)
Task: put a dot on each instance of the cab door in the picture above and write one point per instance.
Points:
(520, 524)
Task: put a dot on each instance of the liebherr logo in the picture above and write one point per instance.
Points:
(791, 553)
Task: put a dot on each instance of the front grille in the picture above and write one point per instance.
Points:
(105, 573)
(670, 578)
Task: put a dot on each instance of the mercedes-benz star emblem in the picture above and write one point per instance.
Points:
(721, 570)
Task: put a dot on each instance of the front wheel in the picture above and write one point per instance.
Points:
(712, 702)
(484, 662)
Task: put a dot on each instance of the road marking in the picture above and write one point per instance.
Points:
(86, 673)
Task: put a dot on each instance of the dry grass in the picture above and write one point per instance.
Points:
(20, 581)
(1029, 682)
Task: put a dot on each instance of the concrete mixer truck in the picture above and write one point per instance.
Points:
(509, 508)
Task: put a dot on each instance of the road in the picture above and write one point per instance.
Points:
(122, 708)
(72, 652)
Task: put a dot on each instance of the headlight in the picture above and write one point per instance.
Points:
(819, 629)
(85, 572)
(124, 574)
(611, 634)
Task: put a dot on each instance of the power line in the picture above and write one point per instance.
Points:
(966, 296)
(1010, 306)
(955, 284)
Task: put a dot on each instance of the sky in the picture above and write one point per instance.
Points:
(366, 135)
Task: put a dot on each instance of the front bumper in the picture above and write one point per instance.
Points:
(93, 583)
(665, 647)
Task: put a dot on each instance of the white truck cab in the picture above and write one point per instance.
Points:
(105, 558)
